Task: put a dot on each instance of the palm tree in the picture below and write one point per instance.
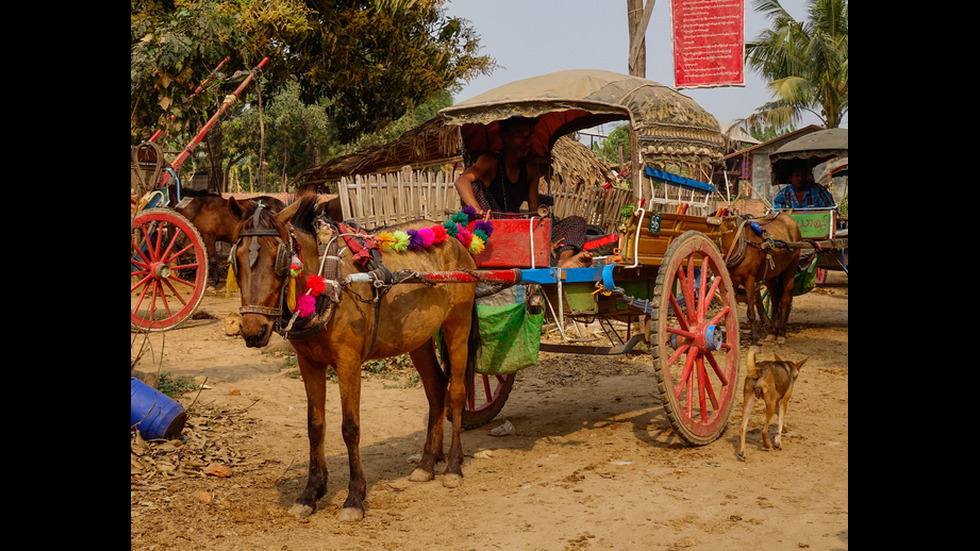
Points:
(805, 64)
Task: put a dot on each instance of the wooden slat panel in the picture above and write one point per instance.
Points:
(384, 199)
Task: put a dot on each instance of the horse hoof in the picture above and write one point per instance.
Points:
(351, 514)
(301, 510)
(769, 338)
(452, 480)
(421, 475)
(781, 340)
(741, 456)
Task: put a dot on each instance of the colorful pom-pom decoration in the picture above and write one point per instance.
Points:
(295, 267)
(476, 245)
(423, 238)
(459, 218)
(401, 240)
(315, 285)
(485, 226)
(305, 306)
(414, 240)
(384, 240)
(439, 232)
(427, 236)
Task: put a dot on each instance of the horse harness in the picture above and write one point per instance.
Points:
(366, 255)
(736, 252)
(284, 254)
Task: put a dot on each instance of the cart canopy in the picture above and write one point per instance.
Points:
(567, 101)
(813, 149)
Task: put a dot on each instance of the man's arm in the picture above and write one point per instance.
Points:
(478, 171)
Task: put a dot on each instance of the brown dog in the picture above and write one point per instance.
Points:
(773, 382)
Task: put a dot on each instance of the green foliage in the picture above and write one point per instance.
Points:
(608, 150)
(363, 62)
(175, 386)
(174, 46)
(297, 136)
(804, 62)
(339, 74)
(408, 121)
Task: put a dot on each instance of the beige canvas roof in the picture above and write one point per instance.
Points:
(566, 101)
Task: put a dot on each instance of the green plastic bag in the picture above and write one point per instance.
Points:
(806, 278)
(511, 338)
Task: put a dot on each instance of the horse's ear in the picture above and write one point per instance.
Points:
(286, 214)
(237, 208)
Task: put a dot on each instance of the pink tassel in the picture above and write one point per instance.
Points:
(305, 306)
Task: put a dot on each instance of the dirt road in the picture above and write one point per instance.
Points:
(592, 462)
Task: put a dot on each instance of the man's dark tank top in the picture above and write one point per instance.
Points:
(509, 196)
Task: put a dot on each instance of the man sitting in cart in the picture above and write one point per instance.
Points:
(803, 192)
(500, 183)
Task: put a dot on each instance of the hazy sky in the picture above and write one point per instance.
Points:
(534, 37)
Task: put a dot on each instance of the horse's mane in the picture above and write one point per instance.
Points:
(266, 219)
(305, 214)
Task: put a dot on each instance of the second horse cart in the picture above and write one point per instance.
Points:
(168, 260)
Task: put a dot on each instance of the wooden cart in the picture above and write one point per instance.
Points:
(667, 273)
(168, 260)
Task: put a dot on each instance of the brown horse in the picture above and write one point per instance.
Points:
(355, 322)
(763, 258)
(214, 220)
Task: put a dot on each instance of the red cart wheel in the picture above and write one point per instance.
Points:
(168, 270)
(695, 338)
(489, 395)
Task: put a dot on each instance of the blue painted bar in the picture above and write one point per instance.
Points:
(571, 275)
(676, 180)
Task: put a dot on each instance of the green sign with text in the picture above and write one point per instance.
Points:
(814, 225)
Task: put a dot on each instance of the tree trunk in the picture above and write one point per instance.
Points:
(215, 141)
(638, 17)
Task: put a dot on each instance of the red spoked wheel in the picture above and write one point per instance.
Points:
(168, 270)
(695, 338)
(489, 395)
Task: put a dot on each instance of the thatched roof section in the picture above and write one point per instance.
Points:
(573, 163)
(431, 144)
(435, 143)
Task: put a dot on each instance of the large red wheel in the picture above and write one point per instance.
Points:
(489, 395)
(168, 270)
(695, 338)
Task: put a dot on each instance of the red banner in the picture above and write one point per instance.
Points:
(709, 42)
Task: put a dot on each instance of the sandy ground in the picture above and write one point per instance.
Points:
(592, 462)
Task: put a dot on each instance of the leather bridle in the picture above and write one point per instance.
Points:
(284, 255)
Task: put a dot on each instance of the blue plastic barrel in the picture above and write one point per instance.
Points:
(153, 413)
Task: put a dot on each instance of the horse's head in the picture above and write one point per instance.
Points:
(265, 245)
(729, 229)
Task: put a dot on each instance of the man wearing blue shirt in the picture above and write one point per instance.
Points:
(802, 194)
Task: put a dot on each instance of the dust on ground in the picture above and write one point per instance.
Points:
(592, 462)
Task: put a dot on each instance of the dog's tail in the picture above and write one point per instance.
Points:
(751, 371)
